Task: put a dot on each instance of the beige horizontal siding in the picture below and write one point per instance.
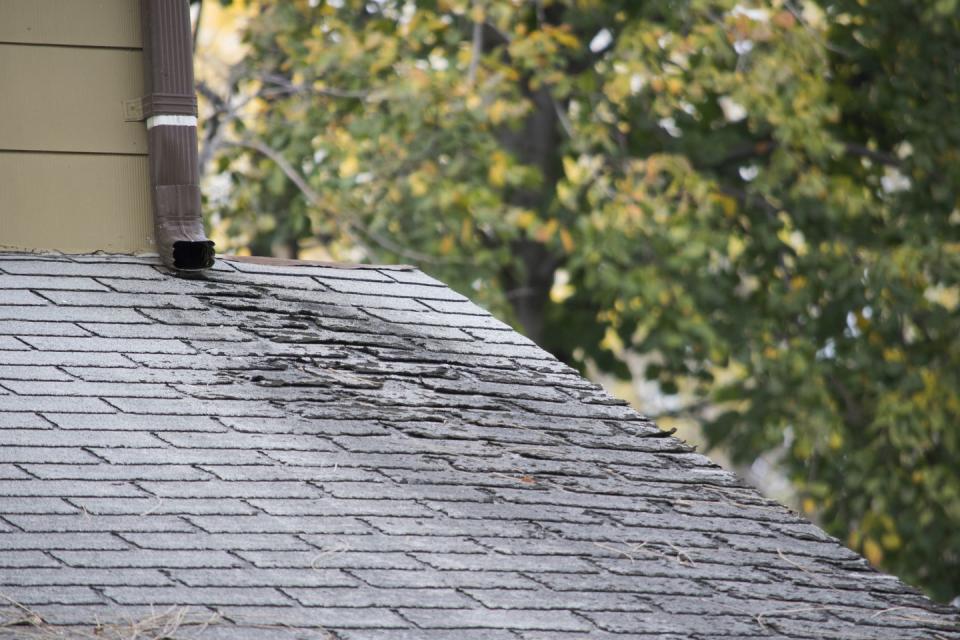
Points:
(75, 202)
(69, 99)
(92, 23)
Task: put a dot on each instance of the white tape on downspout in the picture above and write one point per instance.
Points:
(171, 121)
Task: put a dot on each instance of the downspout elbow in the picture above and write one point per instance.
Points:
(178, 227)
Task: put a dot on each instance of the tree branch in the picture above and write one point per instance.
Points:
(315, 200)
(283, 87)
(880, 157)
(196, 25)
(477, 52)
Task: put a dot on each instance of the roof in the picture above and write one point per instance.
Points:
(301, 451)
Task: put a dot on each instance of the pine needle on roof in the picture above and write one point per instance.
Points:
(173, 623)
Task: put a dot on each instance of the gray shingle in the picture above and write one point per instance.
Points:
(306, 270)
(20, 455)
(63, 404)
(67, 576)
(193, 407)
(62, 358)
(335, 558)
(13, 298)
(57, 314)
(265, 523)
(315, 618)
(271, 577)
(137, 506)
(131, 422)
(147, 558)
(53, 438)
(23, 372)
(8, 282)
(390, 598)
(108, 345)
(91, 389)
(207, 596)
(41, 595)
(115, 471)
(93, 269)
(110, 299)
(45, 541)
(159, 331)
(496, 618)
(70, 488)
(90, 523)
(10, 343)
(45, 506)
(20, 328)
(179, 456)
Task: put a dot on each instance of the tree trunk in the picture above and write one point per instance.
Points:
(536, 143)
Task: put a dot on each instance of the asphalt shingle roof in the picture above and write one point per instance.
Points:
(282, 451)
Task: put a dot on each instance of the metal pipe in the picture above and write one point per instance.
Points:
(170, 109)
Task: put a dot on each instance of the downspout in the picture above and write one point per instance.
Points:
(170, 110)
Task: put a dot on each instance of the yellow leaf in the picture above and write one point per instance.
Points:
(728, 204)
(567, 240)
(891, 541)
(947, 297)
(808, 505)
(611, 341)
(349, 166)
(784, 20)
(497, 111)
(418, 186)
(446, 245)
(546, 232)
(525, 219)
(873, 551)
(572, 170)
(497, 173)
(561, 289)
(735, 247)
(891, 354)
(836, 441)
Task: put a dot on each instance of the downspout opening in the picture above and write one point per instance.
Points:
(191, 255)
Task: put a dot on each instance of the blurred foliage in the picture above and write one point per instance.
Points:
(762, 198)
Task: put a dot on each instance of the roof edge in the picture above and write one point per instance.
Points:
(286, 262)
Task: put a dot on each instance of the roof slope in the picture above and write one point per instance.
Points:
(316, 452)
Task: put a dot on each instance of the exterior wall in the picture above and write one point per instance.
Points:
(73, 172)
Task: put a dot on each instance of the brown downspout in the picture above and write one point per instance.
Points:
(170, 109)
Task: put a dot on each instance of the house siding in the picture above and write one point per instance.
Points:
(73, 172)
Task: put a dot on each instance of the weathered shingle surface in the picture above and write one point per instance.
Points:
(313, 452)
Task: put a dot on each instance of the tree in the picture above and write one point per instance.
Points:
(761, 199)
